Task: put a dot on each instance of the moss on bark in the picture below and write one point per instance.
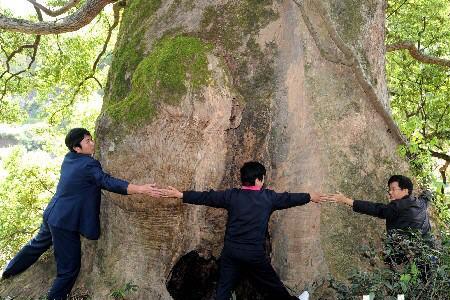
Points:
(163, 76)
(129, 49)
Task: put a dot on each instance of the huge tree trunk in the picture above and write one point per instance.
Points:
(258, 84)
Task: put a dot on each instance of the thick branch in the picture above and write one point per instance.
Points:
(55, 13)
(440, 155)
(415, 53)
(73, 22)
(443, 171)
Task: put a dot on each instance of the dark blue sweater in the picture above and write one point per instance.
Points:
(248, 211)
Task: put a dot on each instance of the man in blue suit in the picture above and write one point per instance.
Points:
(73, 210)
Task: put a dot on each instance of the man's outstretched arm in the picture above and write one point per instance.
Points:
(119, 186)
(209, 198)
(379, 210)
(287, 200)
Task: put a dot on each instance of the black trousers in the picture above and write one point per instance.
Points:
(67, 250)
(256, 265)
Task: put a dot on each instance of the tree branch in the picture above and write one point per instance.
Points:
(415, 53)
(43, 184)
(440, 155)
(396, 10)
(55, 13)
(116, 9)
(443, 171)
(73, 22)
(444, 113)
(33, 46)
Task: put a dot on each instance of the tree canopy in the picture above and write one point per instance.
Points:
(418, 35)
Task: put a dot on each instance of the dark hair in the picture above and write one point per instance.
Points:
(403, 182)
(74, 137)
(250, 171)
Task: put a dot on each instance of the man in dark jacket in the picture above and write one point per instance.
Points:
(249, 209)
(404, 211)
(403, 214)
(73, 210)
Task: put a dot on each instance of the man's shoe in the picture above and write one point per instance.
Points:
(304, 296)
(4, 276)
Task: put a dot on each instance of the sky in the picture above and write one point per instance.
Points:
(19, 7)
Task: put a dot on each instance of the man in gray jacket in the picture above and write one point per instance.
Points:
(403, 214)
(404, 211)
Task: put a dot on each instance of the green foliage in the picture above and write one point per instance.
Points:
(123, 292)
(441, 207)
(164, 75)
(59, 76)
(414, 267)
(420, 92)
(11, 112)
(24, 192)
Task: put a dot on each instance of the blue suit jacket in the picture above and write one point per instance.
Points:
(76, 203)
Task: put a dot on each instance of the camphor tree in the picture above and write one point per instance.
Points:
(196, 88)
